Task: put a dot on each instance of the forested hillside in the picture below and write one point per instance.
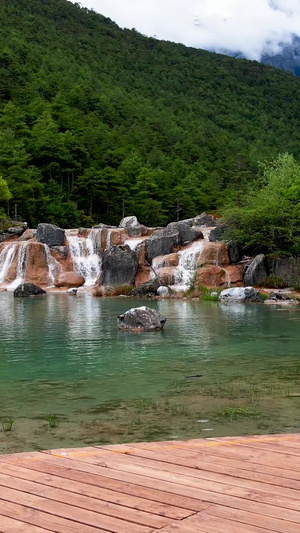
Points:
(96, 121)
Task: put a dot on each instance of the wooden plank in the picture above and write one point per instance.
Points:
(10, 525)
(110, 456)
(93, 491)
(69, 512)
(145, 472)
(248, 503)
(51, 522)
(88, 474)
(82, 502)
(251, 456)
(253, 519)
(202, 523)
(225, 466)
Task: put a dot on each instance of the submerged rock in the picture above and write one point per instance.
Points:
(141, 319)
(69, 279)
(28, 289)
(280, 298)
(240, 294)
(72, 291)
(50, 234)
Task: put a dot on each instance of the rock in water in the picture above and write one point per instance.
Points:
(163, 292)
(240, 294)
(28, 289)
(50, 234)
(72, 291)
(141, 319)
(69, 279)
(148, 288)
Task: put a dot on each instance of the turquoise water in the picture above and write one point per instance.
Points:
(64, 354)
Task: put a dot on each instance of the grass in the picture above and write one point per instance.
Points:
(273, 282)
(240, 412)
(119, 290)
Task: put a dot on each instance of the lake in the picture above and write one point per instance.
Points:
(68, 377)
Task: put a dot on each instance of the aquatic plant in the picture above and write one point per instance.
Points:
(52, 420)
(7, 423)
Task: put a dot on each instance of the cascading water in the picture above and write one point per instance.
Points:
(21, 266)
(85, 255)
(53, 266)
(189, 259)
(133, 243)
(6, 259)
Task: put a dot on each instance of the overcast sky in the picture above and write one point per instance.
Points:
(238, 25)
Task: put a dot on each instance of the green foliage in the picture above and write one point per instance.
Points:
(96, 121)
(240, 412)
(273, 282)
(7, 423)
(53, 420)
(268, 221)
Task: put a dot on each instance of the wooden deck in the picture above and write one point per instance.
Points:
(229, 485)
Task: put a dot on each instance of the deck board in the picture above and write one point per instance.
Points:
(240, 485)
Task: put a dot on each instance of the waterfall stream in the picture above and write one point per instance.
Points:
(6, 259)
(21, 265)
(85, 255)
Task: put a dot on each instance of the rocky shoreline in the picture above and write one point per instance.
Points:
(186, 259)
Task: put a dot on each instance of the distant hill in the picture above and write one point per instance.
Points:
(96, 121)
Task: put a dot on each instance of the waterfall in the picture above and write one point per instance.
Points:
(6, 259)
(188, 263)
(108, 239)
(134, 242)
(53, 265)
(21, 266)
(85, 255)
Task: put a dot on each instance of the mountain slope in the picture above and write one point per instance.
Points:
(96, 121)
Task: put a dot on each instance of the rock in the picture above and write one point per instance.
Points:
(72, 291)
(18, 230)
(163, 292)
(256, 272)
(240, 294)
(280, 298)
(3, 289)
(286, 270)
(28, 235)
(36, 267)
(113, 237)
(129, 222)
(235, 274)
(234, 252)
(161, 242)
(166, 276)
(219, 233)
(186, 233)
(214, 294)
(188, 221)
(205, 220)
(214, 253)
(69, 279)
(137, 231)
(28, 289)
(4, 237)
(211, 276)
(50, 234)
(143, 275)
(141, 319)
(170, 260)
(119, 266)
(99, 291)
(148, 288)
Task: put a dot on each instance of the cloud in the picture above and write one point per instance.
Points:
(248, 26)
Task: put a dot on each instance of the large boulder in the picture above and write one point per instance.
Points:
(141, 319)
(186, 233)
(28, 235)
(28, 289)
(234, 252)
(161, 242)
(286, 270)
(213, 253)
(37, 268)
(50, 234)
(149, 288)
(256, 272)
(137, 231)
(170, 260)
(167, 275)
(69, 279)
(240, 294)
(129, 222)
(205, 220)
(211, 276)
(119, 266)
(219, 233)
